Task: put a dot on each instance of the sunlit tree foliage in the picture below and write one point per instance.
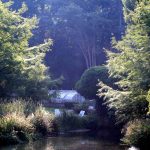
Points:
(131, 65)
(22, 69)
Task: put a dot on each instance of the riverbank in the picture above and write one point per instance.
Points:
(23, 121)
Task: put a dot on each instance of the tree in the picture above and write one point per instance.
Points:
(22, 69)
(83, 27)
(87, 85)
(131, 66)
(92, 28)
(80, 30)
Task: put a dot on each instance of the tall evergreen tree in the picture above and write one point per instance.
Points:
(22, 69)
(131, 65)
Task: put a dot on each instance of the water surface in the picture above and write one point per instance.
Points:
(67, 143)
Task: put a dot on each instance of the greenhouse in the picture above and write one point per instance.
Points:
(64, 96)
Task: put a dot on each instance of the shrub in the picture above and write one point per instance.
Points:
(87, 85)
(15, 128)
(43, 120)
(18, 106)
(22, 121)
(90, 122)
(137, 133)
(69, 121)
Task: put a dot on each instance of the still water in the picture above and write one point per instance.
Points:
(67, 143)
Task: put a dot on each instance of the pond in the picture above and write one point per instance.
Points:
(67, 143)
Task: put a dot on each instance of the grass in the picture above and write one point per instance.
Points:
(22, 121)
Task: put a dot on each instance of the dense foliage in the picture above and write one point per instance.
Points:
(138, 134)
(17, 125)
(131, 65)
(69, 121)
(80, 30)
(22, 69)
(87, 85)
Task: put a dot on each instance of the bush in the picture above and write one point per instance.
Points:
(18, 106)
(90, 122)
(137, 133)
(43, 120)
(22, 121)
(87, 85)
(69, 121)
(15, 128)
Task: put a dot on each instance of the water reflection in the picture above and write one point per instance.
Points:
(66, 143)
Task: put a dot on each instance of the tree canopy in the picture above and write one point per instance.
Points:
(80, 30)
(87, 85)
(22, 69)
(131, 64)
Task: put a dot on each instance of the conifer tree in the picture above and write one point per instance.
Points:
(22, 69)
(131, 65)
